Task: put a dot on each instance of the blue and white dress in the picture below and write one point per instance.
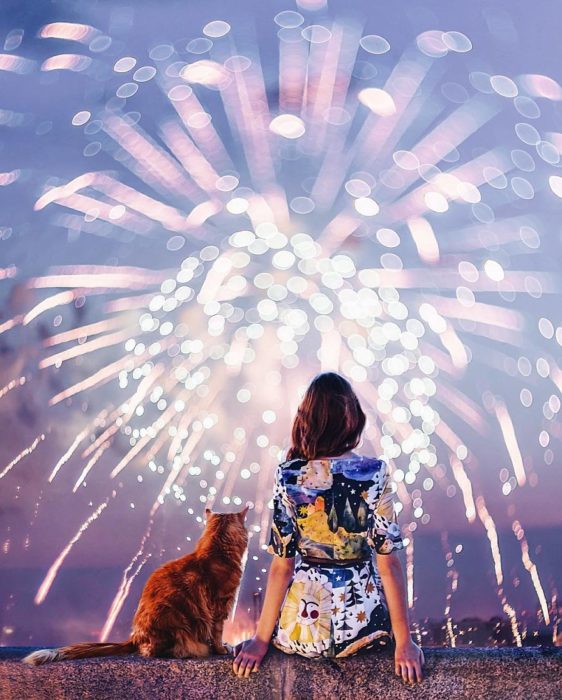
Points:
(339, 509)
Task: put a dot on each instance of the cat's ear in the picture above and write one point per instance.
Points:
(244, 511)
(208, 513)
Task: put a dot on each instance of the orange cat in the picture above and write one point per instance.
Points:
(184, 603)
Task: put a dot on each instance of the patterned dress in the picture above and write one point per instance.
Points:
(338, 508)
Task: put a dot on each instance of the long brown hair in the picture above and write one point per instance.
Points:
(329, 420)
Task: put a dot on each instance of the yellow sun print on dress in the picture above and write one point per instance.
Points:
(306, 612)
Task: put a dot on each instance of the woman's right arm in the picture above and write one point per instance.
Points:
(252, 651)
(386, 538)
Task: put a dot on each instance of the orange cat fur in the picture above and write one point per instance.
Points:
(184, 603)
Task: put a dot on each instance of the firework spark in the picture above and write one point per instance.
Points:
(335, 218)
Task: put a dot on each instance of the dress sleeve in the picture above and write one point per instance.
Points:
(384, 531)
(283, 533)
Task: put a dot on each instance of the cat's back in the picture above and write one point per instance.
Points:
(170, 574)
(168, 587)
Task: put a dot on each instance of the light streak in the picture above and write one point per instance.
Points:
(45, 586)
(510, 439)
(13, 384)
(24, 453)
(336, 226)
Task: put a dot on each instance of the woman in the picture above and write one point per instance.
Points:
(332, 507)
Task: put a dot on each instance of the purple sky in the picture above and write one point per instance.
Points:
(37, 139)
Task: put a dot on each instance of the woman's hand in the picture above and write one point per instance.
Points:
(248, 656)
(408, 661)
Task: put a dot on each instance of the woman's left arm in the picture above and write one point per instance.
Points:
(408, 656)
(252, 651)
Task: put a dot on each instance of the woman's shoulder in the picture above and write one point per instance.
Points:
(363, 463)
(289, 470)
(295, 463)
(365, 466)
(347, 458)
(365, 460)
(377, 462)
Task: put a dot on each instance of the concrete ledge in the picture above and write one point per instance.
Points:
(485, 673)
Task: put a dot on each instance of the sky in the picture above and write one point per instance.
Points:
(409, 238)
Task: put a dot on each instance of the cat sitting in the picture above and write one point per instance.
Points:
(184, 603)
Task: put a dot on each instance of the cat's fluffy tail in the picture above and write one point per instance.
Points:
(79, 651)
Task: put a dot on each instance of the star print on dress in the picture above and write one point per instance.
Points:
(333, 509)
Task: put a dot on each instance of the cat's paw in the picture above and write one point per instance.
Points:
(229, 649)
(222, 649)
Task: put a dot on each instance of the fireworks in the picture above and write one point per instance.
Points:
(264, 215)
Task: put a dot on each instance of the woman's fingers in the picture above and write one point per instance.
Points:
(241, 665)
(408, 671)
(412, 675)
(414, 671)
(419, 666)
(409, 665)
(245, 661)
(237, 661)
(244, 665)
